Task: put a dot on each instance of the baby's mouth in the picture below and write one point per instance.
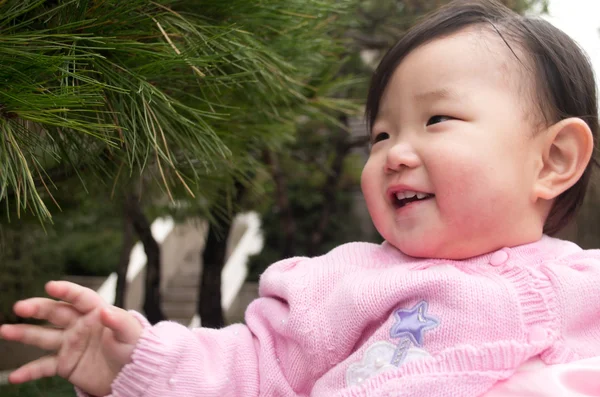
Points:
(404, 198)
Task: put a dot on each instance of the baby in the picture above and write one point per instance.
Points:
(482, 127)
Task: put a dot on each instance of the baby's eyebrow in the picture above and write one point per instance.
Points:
(438, 94)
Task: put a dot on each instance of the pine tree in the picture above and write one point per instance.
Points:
(167, 101)
(178, 89)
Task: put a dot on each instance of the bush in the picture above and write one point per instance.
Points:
(304, 189)
(25, 268)
(31, 255)
(50, 387)
(91, 253)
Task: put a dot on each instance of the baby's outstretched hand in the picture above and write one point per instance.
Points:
(92, 340)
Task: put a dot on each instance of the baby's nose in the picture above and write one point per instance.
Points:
(401, 155)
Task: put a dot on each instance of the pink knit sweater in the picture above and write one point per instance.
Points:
(366, 320)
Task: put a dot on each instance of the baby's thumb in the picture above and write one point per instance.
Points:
(126, 328)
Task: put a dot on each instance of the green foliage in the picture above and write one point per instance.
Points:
(87, 232)
(49, 387)
(25, 268)
(306, 164)
(85, 239)
(120, 87)
(102, 96)
(90, 252)
(50, 255)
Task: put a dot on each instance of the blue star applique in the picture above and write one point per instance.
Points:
(413, 323)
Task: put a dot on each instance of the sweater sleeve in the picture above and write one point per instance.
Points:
(267, 356)
(172, 360)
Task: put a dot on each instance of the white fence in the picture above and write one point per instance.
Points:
(235, 269)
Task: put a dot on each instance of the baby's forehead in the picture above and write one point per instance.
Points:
(507, 57)
(480, 46)
(476, 52)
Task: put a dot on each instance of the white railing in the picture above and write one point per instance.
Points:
(234, 272)
(235, 269)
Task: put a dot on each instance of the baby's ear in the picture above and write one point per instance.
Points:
(567, 150)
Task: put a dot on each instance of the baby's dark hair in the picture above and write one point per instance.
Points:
(564, 80)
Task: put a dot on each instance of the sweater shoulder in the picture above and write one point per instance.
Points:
(292, 273)
(357, 253)
(551, 250)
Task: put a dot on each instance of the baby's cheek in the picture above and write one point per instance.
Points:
(468, 192)
(372, 196)
(458, 179)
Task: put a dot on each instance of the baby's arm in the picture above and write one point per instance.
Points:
(105, 350)
(92, 340)
(273, 354)
(172, 360)
(268, 356)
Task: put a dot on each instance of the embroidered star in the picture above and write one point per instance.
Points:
(413, 323)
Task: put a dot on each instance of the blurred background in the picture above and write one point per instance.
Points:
(165, 153)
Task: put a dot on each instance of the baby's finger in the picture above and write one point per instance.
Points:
(83, 299)
(60, 314)
(42, 337)
(125, 327)
(44, 367)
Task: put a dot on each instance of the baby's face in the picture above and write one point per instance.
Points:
(453, 128)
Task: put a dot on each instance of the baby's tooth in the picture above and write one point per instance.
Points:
(421, 195)
(400, 196)
(409, 194)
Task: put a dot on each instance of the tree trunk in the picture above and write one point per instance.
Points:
(128, 243)
(152, 297)
(213, 260)
(209, 306)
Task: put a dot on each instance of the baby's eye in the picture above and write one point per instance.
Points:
(380, 137)
(438, 119)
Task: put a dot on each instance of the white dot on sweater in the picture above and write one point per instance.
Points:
(283, 321)
(172, 381)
